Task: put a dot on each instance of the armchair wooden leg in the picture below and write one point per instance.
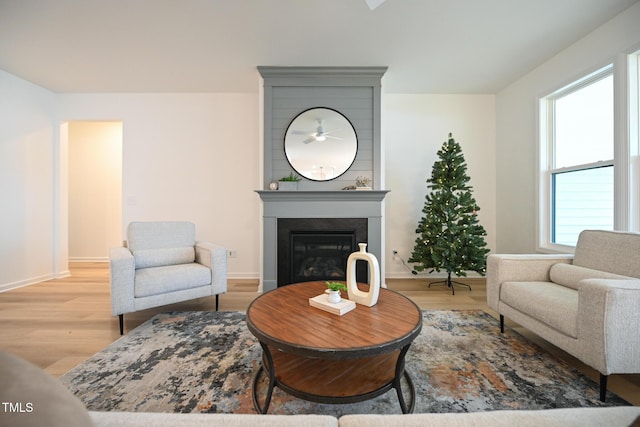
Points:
(217, 301)
(121, 318)
(501, 324)
(603, 387)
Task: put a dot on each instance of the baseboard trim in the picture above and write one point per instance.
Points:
(28, 282)
(243, 276)
(88, 259)
(429, 277)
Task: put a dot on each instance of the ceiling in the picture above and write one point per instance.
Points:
(430, 46)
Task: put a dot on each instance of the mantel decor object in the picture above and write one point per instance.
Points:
(369, 298)
(289, 183)
(363, 183)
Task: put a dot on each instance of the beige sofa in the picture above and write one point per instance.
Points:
(588, 304)
(622, 416)
(31, 398)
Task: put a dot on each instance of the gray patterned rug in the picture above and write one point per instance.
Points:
(205, 362)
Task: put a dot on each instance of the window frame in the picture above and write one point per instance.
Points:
(546, 152)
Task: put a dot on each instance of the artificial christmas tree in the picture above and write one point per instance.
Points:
(450, 237)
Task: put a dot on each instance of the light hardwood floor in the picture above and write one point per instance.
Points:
(59, 323)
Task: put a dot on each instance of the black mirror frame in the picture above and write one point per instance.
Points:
(355, 134)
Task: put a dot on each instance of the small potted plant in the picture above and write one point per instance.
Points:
(363, 183)
(333, 289)
(288, 183)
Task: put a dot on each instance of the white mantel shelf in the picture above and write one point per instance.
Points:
(322, 196)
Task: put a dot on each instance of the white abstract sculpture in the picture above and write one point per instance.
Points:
(365, 298)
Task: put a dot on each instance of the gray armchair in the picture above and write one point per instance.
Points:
(164, 264)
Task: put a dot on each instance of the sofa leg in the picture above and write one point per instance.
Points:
(603, 387)
(121, 318)
(217, 301)
(501, 324)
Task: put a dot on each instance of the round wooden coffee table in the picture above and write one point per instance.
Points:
(323, 357)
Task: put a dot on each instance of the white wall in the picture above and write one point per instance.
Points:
(27, 166)
(187, 157)
(415, 126)
(197, 157)
(95, 189)
(516, 127)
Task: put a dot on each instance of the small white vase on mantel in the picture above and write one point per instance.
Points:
(370, 298)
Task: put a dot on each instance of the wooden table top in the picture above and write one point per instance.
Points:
(282, 318)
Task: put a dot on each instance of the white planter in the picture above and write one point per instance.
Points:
(287, 185)
(333, 296)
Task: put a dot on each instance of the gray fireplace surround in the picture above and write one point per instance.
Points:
(319, 204)
(356, 93)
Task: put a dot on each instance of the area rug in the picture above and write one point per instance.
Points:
(205, 362)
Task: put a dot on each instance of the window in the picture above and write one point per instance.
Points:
(633, 114)
(577, 162)
(589, 155)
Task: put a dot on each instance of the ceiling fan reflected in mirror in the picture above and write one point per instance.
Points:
(373, 3)
(320, 143)
(319, 135)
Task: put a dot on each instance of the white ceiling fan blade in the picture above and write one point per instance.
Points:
(308, 140)
(373, 3)
(299, 132)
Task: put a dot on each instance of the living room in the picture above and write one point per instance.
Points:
(195, 153)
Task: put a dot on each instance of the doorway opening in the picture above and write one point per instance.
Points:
(94, 188)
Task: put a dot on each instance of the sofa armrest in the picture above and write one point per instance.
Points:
(122, 272)
(518, 267)
(609, 324)
(214, 257)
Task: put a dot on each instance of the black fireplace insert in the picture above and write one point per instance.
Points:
(316, 249)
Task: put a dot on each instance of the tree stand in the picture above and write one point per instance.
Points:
(450, 284)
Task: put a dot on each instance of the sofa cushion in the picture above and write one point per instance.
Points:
(37, 399)
(549, 303)
(570, 275)
(564, 417)
(172, 278)
(150, 419)
(610, 251)
(146, 258)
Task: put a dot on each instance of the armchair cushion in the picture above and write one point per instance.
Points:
(571, 275)
(147, 258)
(170, 278)
(155, 235)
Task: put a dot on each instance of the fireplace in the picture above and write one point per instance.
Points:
(334, 209)
(312, 249)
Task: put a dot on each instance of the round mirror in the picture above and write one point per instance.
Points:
(320, 144)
